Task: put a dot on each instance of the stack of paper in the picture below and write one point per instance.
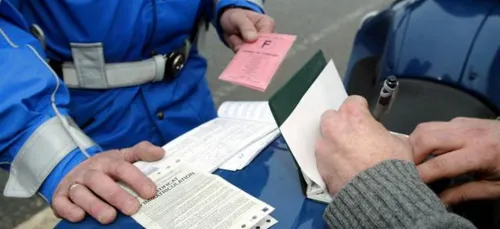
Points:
(230, 141)
(189, 199)
(194, 198)
(257, 112)
(246, 155)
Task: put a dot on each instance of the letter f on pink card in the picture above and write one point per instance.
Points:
(256, 63)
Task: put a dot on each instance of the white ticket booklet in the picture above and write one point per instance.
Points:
(191, 199)
(241, 129)
(210, 145)
(256, 111)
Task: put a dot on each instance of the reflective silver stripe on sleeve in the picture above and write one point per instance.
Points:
(40, 154)
(260, 3)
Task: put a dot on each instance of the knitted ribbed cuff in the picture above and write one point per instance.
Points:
(389, 195)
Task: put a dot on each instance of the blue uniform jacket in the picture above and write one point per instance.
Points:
(116, 118)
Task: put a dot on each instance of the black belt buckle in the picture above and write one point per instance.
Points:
(174, 64)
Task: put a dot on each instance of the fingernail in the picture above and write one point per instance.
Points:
(131, 207)
(251, 35)
(149, 190)
(77, 215)
(107, 216)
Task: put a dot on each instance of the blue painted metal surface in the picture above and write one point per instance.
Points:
(272, 177)
(454, 42)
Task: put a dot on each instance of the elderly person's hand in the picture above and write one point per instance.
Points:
(462, 146)
(354, 141)
(240, 26)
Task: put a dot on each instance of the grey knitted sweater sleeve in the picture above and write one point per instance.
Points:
(390, 195)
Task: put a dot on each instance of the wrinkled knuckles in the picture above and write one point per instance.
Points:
(270, 21)
(120, 168)
(476, 132)
(437, 164)
(491, 157)
(117, 197)
(90, 176)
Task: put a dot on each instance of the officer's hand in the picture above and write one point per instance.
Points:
(353, 141)
(242, 26)
(90, 187)
(462, 146)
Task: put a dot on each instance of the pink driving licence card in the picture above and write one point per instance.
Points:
(255, 64)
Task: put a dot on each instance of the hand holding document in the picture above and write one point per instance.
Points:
(256, 63)
(190, 199)
(298, 106)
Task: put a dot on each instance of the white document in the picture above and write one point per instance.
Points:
(257, 111)
(213, 143)
(301, 128)
(245, 156)
(190, 199)
(265, 223)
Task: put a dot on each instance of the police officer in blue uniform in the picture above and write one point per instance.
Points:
(83, 82)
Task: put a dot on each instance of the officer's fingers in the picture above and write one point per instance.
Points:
(435, 138)
(244, 26)
(479, 190)
(65, 209)
(105, 187)
(264, 24)
(132, 177)
(95, 207)
(449, 165)
(144, 151)
(234, 42)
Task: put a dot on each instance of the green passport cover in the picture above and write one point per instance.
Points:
(284, 101)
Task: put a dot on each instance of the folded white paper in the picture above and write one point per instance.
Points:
(210, 145)
(257, 111)
(246, 155)
(301, 128)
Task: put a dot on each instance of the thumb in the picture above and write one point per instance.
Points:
(245, 27)
(477, 190)
(144, 151)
